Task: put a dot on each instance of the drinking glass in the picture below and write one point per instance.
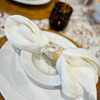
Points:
(77, 5)
(60, 16)
(96, 14)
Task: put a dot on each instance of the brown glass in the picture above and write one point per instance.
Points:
(60, 16)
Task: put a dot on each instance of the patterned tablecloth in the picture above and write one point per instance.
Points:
(82, 29)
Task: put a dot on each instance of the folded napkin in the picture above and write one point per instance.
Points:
(78, 68)
(24, 34)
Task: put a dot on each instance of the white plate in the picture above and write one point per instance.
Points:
(25, 86)
(29, 63)
(33, 2)
(6, 87)
(28, 88)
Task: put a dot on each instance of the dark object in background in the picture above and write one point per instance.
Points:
(60, 16)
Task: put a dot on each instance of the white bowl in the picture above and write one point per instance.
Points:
(33, 66)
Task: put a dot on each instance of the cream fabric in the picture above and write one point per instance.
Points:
(78, 68)
(24, 34)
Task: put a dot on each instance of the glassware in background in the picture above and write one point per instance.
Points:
(77, 5)
(89, 2)
(60, 16)
(96, 14)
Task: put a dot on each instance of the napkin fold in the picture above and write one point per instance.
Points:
(79, 71)
(24, 34)
(78, 68)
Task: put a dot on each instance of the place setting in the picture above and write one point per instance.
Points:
(31, 74)
(44, 79)
(20, 76)
(37, 64)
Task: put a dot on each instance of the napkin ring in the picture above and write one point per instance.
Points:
(52, 51)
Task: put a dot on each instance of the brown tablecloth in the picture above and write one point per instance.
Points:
(32, 12)
(1, 97)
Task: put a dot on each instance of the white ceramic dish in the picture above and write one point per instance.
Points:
(26, 87)
(33, 2)
(10, 91)
(6, 87)
(27, 59)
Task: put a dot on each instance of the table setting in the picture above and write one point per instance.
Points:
(49, 49)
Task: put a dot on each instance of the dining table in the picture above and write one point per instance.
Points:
(83, 30)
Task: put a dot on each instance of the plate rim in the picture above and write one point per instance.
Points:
(3, 91)
(39, 2)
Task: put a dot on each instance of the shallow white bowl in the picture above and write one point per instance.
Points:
(26, 87)
(33, 71)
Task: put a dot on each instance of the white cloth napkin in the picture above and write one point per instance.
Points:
(24, 34)
(78, 68)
